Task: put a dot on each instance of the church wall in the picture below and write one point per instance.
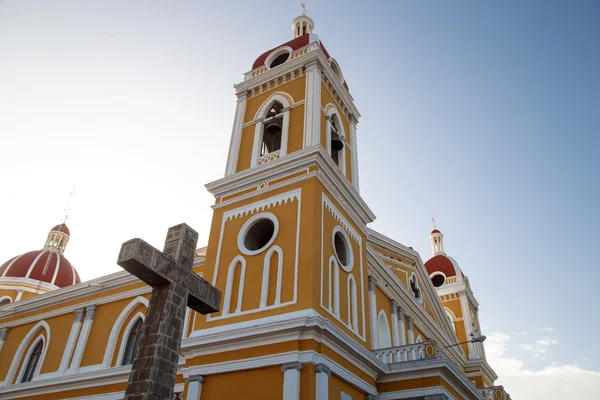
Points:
(133, 315)
(254, 384)
(60, 328)
(328, 220)
(308, 382)
(12, 293)
(83, 393)
(327, 98)
(106, 314)
(337, 386)
(383, 304)
(293, 213)
(295, 89)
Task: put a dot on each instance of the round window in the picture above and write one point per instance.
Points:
(342, 249)
(438, 280)
(258, 233)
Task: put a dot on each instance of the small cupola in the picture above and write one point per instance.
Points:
(303, 24)
(58, 238)
(437, 241)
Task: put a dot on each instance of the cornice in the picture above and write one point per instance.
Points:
(314, 55)
(396, 290)
(327, 172)
(395, 247)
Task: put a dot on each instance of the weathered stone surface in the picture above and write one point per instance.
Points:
(175, 286)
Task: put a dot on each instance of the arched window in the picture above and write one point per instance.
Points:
(271, 280)
(415, 288)
(384, 337)
(336, 138)
(272, 129)
(4, 301)
(451, 318)
(352, 304)
(132, 339)
(334, 286)
(234, 288)
(33, 361)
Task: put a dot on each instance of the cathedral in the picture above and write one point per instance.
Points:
(314, 305)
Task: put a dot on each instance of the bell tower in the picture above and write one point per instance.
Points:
(288, 235)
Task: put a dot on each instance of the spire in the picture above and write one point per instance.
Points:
(437, 240)
(303, 24)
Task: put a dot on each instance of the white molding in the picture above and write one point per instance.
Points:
(71, 341)
(276, 53)
(27, 357)
(354, 155)
(416, 393)
(11, 264)
(331, 111)
(125, 336)
(264, 292)
(229, 285)
(236, 134)
(246, 227)
(312, 107)
(117, 327)
(29, 337)
(90, 313)
(350, 262)
(382, 322)
(352, 304)
(287, 102)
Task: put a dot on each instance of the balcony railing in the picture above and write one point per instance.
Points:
(495, 393)
(268, 157)
(409, 352)
(423, 352)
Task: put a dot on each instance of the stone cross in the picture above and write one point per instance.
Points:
(174, 286)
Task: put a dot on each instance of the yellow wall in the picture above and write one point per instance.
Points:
(254, 384)
(337, 386)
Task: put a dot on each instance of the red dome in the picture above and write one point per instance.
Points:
(443, 263)
(435, 231)
(31, 265)
(62, 228)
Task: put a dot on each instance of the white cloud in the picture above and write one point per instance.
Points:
(554, 382)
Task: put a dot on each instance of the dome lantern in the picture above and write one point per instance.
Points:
(58, 238)
(303, 24)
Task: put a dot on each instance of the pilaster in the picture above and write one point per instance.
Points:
(312, 110)
(291, 380)
(194, 389)
(394, 319)
(322, 386)
(373, 307)
(71, 341)
(3, 333)
(90, 313)
(353, 122)
(236, 134)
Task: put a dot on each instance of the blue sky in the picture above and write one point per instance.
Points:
(482, 114)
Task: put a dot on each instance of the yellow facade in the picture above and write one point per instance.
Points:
(315, 305)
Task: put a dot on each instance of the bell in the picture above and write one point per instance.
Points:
(336, 142)
(272, 136)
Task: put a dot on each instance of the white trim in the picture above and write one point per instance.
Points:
(350, 252)
(90, 313)
(71, 341)
(415, 393)
(264, 293)
(303, 357)
(435, 273)
(57, 268)
(31, 335)
(27, 358)
(287, 102)
(10, 300)
(116, 329)
(332, 112)
(249, 224)
(352, 304)
(276, 53)
(312, 107)
(11, 264)
(236, 134)
(32, 266)
(354, 155)
(387, 336)
(125, 336)
(229, 286)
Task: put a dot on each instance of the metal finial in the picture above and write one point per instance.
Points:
(433, 220)
(303, 8)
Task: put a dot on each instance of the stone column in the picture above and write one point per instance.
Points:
(402, 326)
(194, 388)
(291, 380)
(411, 333)
(236, 134)
(3, 333)
(373, 306)
(71, 341)
(312, 113)
(90, 313)
(19, 294)
(323, 374)
(394, 318)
